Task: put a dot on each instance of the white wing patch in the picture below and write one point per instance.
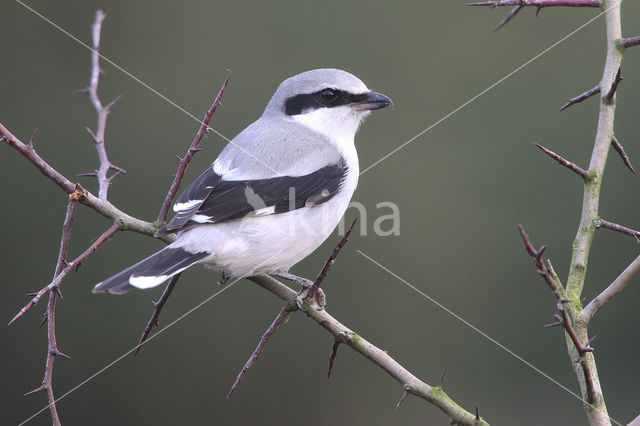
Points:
(178, 207)
(201, 218)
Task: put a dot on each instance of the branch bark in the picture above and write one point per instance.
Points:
(413, 385)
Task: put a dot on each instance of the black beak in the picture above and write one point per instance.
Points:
(370, 101)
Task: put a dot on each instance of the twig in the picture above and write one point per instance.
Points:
(620, 150)
(539, 3)
(102, 173)
(628, 42)
(381, 358)
(101, 206)
(307, 294)
(329, 263)
(184, 161)
(68, 267)
(568, 164)
(550, 276)
(284, 313)
(614, 288)
(608, 98)
(584, 96)
(50, 317)
(157, 308)
(601, 223)
(509, 17)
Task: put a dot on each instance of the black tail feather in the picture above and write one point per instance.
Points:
(151, 271)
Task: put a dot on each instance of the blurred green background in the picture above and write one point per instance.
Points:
(462, 188)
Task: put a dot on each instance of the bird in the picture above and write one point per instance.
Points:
(276, 191)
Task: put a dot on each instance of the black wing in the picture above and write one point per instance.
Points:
(209, 199)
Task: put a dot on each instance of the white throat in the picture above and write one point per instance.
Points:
(339, 124)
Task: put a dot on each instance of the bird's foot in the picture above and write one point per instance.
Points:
(306, 284)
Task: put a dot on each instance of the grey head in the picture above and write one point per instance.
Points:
(324, 88)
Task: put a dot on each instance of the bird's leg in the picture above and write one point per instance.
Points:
(305, 283)
(224, 278)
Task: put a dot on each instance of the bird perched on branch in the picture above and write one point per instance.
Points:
(276, 191)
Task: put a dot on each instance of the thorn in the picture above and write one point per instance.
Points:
(31, 294)
(117, 169)
(93, 136)
(36, 390)
(112, 103)
(3, 138)
(194, 150)
(33, 137)
(477, 415)
(565, 300)
(591, 340)
(508, 18)
(84, 91)
(58, 353)
(586, 95)
(208, 130)
(553, 324)
(89, 174)
(623, 155)
(538, 9)
(541, 250)
(44, 319)
(444, 373)
(332, 356)
(404, 395)
(57, 291)
(179, 158)
(614, 86)
(78, 266)
(571, 166)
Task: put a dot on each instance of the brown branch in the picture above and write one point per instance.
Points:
(628, 42)
(284, 313)
(584, 96)
(623, 155)
(50, 317)
(311, 292)
(307, 295)
(601, 223)
(509, 17)
(184, 162)
(68, 267)
(568, 164)
(381, 358)
(608, 98)
(614, 288)
(102, 174)
(539, 3)
(153, 321)
(550, 276)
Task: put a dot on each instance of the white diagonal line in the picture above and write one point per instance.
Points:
(482, 333)
(145, 85)
(486, 90)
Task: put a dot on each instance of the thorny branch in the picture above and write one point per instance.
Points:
(102, 174)
(306, 294)
(573, 317)
(623, 155)
(539, 4)
(157, 308)
(50, 316)
(563, 305)
(184, 161)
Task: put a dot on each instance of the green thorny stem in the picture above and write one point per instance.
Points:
(596, 410)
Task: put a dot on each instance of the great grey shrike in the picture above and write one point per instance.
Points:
(276, 191)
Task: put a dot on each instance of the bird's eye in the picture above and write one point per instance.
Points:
(328, 95)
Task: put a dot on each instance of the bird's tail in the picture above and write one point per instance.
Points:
(152, 271)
